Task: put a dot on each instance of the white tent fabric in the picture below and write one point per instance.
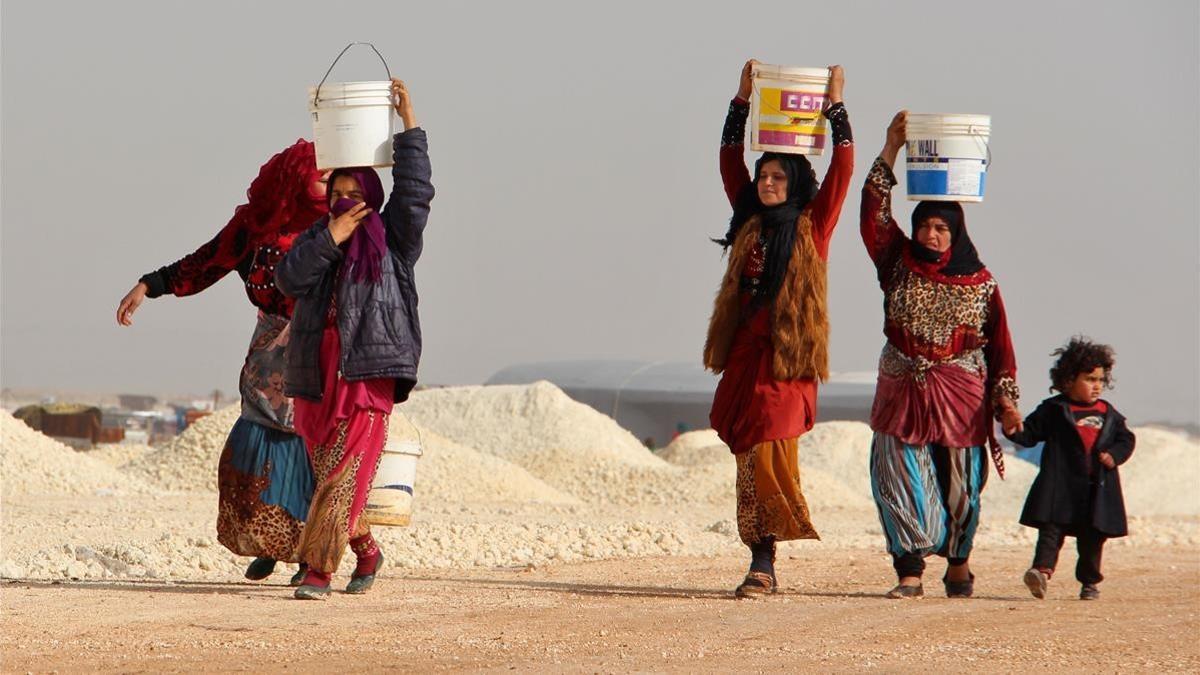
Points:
(657, 399)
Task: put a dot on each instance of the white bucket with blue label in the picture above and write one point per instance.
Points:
(390, 500)
(947, 156)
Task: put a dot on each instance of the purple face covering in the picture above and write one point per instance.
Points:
(368, 244)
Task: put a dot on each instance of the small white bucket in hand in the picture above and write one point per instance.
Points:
(391, 497)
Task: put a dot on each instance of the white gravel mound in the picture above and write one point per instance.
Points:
(189, 463)
(514, 475)
(522, 423)
(119, 454)
(33, 463)
(452, 473)
(695, 448)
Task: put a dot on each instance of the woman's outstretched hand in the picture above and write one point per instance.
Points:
(897, 133)
(837, 82)
(745, 86)
(130, 303)
(402, 102)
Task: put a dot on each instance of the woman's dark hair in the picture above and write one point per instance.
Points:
(778, 222)
(1081, 355)
(802, 187)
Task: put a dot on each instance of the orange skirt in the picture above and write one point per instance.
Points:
(770, 502)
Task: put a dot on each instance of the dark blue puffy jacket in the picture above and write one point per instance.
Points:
(377, 321)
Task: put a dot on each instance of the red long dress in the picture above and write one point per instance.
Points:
(345, 433)
(750, 405)
(759, 417)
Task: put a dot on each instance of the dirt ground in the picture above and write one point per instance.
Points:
(657, 614)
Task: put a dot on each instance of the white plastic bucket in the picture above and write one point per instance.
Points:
(390, 500)
(353, 123)
(947, 156)
(785, 109)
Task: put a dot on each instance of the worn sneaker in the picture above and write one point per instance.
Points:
(1089, 592)
(1035, 581)
(901, 591)
(311, 592)
(361, 584)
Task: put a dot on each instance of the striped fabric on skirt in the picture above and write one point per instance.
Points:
(927, 495)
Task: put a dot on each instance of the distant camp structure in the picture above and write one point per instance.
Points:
(74, 424)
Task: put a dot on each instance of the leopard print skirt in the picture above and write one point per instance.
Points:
(344, 464)
(263, 488)
(769, 499)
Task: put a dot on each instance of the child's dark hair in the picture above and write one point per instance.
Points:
(1081, 355)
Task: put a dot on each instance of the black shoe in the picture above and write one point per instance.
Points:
(959, 589)
(298, 577)
(901, 591)
(260, 568)
(1089, 592)
(1036, 582)
(361, 584)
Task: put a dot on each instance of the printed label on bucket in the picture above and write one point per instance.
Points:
(789, 118)
(946, 176)
(786, 100)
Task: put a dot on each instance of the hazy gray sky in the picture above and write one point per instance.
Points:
(574, 151)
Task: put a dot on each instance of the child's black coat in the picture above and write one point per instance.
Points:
(1062, 493)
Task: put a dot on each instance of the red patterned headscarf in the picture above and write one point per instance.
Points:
(280, 200)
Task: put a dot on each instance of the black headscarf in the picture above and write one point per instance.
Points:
(779, 221)
(964, 259)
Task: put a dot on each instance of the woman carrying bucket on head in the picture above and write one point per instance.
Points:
(946, 368)
(356, 343)
(768, 335)
(263, 476)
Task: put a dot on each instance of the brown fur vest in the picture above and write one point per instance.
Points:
(799, 317)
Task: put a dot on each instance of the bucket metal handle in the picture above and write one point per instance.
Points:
(983, 139)
(420, 436)
(317, 95)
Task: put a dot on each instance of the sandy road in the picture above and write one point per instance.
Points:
(620, 615)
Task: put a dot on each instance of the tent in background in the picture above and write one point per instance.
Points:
(659, 399)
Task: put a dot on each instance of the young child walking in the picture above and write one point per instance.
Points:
(1077, 492)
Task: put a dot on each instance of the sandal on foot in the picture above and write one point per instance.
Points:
(298, 578)
(260, 568)
(1089, 592)
(902, 591)
(1036, 581)
(756, 584)
(959, 589)
(361, 584)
